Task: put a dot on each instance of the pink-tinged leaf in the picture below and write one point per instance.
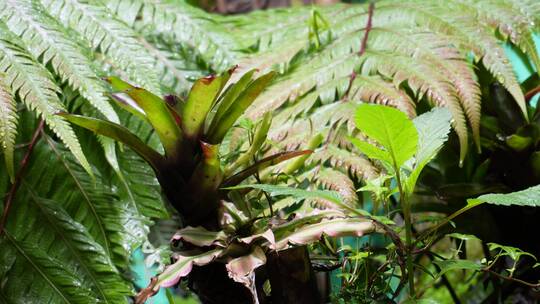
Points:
(300, 220)
(242, 269)
(199, 236)
(333, 228)
(268, 235)
(173, 273)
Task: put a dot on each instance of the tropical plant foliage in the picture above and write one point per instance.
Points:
(84, 212)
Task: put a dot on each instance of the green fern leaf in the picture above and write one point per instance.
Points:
(517, 20)
(108, 35)
(177, 66)
(80, 252)
(46, 39)
(8, 124)
(189, 26)
(358, 167)
(35, 87)
(331, 179)
(126, 10)
(28, 264)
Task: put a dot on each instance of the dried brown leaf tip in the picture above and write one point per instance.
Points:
(208, 79)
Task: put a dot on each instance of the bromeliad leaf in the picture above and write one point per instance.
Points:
(199, 236)
(391, 128)
(333, 228)
(229, 97)
(119, 133)
(173, 273)
(202, 97)
(242, 270)
(161, 118)
(238, 107)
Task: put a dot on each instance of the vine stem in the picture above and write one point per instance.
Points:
(15, 186)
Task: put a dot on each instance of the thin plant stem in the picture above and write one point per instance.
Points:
(408, 230)
(15, 186)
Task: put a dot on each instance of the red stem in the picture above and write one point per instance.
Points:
(24, 163)
(363, 46)
(531, 93)
(368, 29)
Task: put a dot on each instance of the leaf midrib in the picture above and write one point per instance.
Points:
(68, 243)
(23, 253)
(85, 195)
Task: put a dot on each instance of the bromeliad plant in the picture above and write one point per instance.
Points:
(190, 132)
(223, 239)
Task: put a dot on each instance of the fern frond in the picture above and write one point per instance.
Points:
(8, 124)
(47, 40)
(30, 266)
(87, 258)
(517, 20)
(191, 27)
(35, 87)
(466, 33)
(332, 179)
(126, 10)
(93, 21)
(423, 80)
(177, 66)
(357, 166)
(439, 52)
(301, 80)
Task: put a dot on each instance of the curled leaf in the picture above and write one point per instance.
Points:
(242, 269)
(173, 273)
(333, 228)
(199, 236)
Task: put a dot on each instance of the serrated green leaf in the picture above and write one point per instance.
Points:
(371, 151)
(8, 125)
(433, 128)
(449, 265)
(391, 128)
(528, 197)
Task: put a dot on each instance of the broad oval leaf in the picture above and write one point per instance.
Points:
(433, 128)
(528, 197)
(391, 128)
